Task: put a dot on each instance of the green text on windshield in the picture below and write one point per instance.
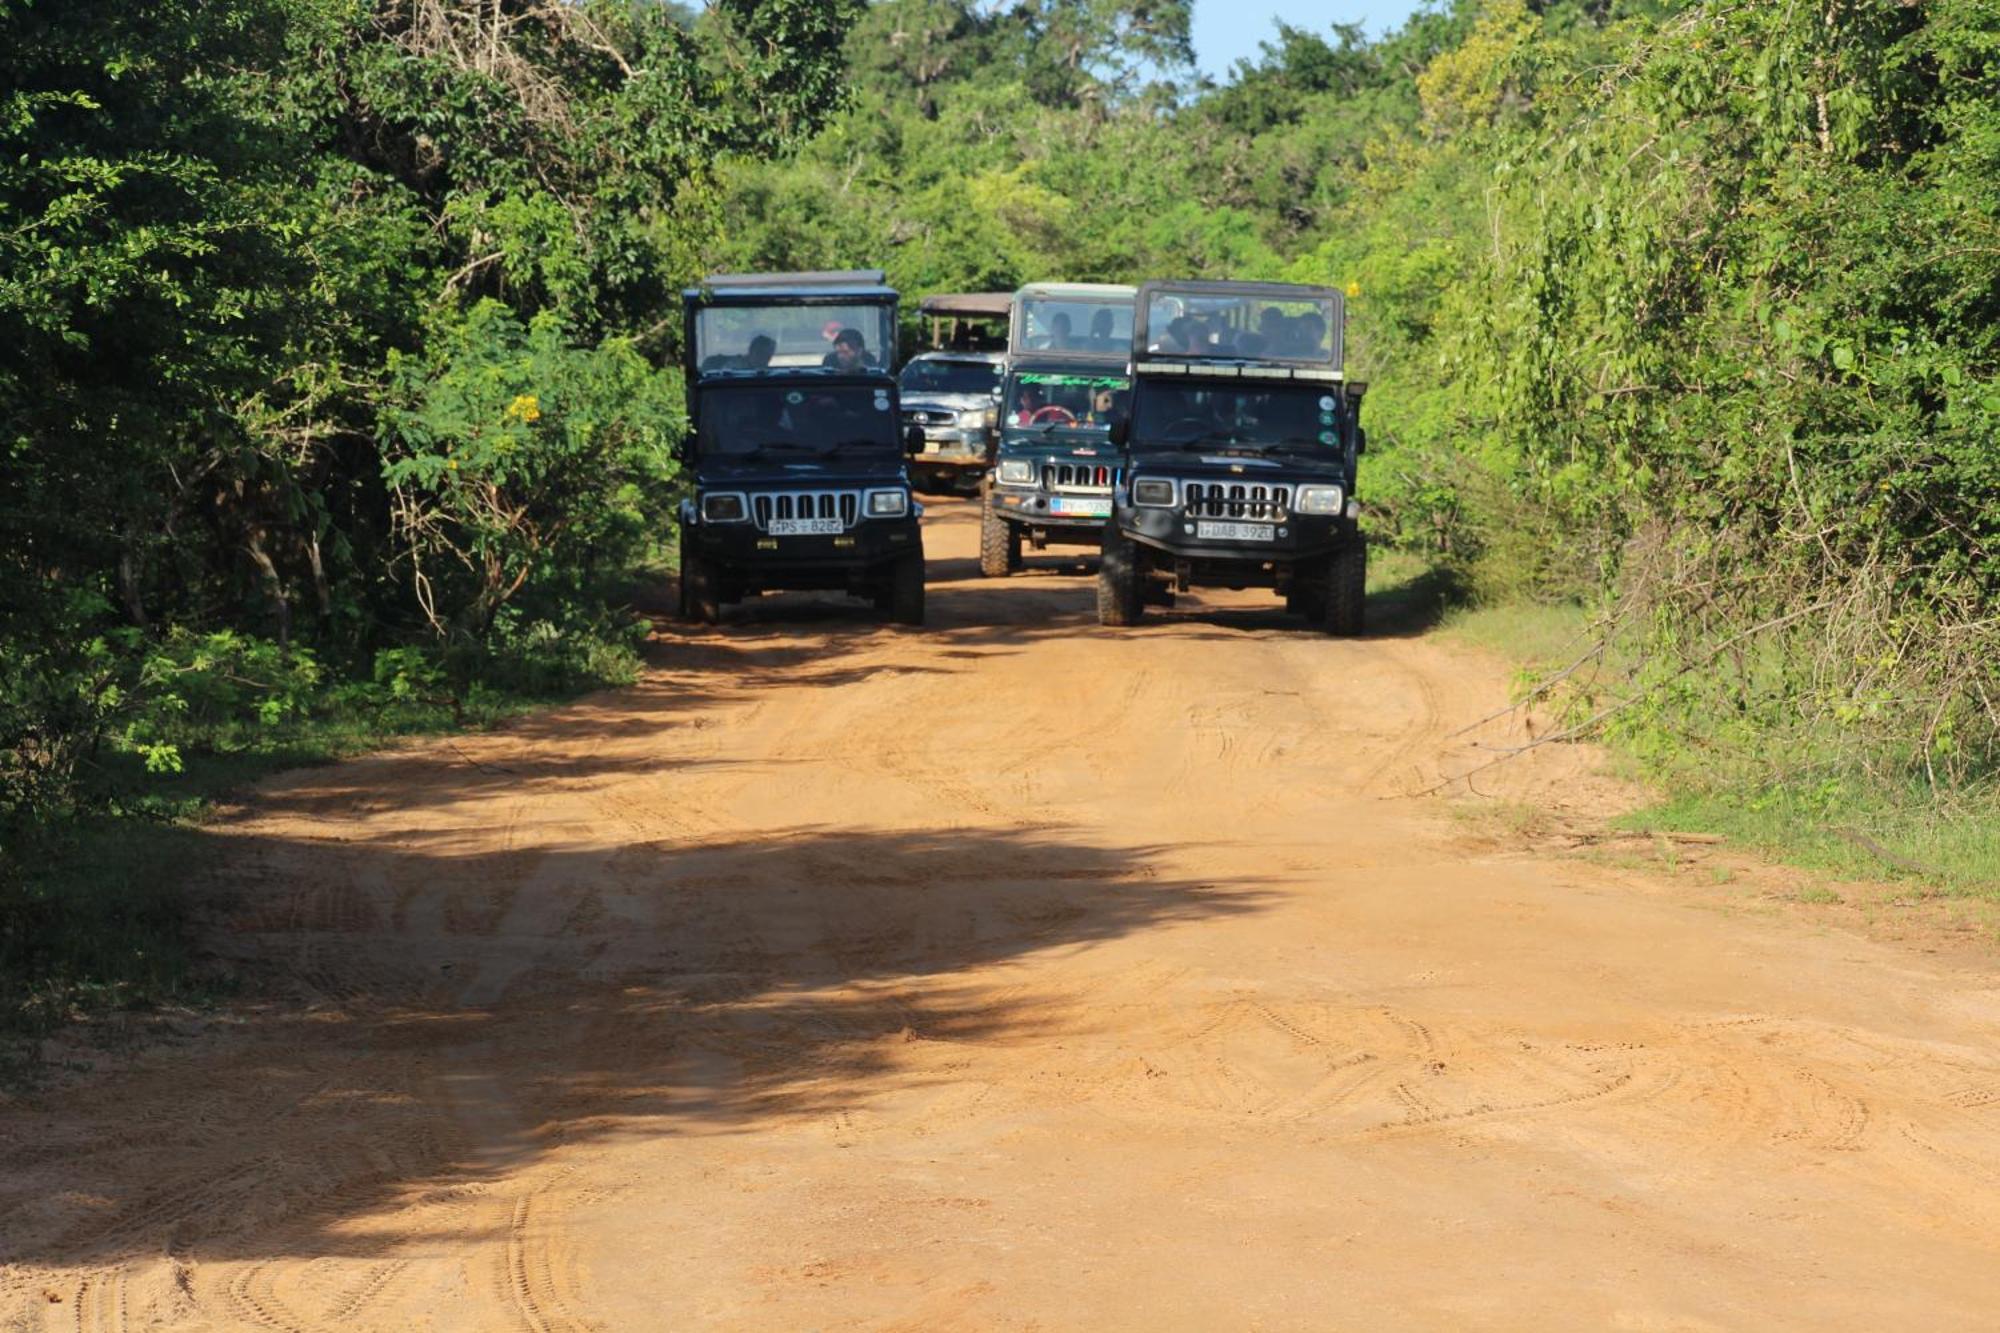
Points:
(1048, 400)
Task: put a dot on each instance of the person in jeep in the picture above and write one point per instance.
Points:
(850, 352)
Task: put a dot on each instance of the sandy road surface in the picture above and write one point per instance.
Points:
(1010, 974)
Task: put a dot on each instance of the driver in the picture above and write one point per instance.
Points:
(1027, 403)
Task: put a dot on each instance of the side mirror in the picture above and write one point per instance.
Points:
(913, 440)
(1121, 431)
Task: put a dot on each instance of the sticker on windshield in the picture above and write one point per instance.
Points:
(881, 404)
(795, 398)
(1326, 418)
(1327, 437)
(1326, 403)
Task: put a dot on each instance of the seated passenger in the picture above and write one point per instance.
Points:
(1311, 329)
(1059, 328)
(850, 352)
(1178, 339)
(1101, 325)
(758, 356)
(1027, 403)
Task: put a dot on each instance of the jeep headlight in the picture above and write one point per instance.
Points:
(724, 508)
(972, 418)
(1157, 492)
(1320, 500)
(990, 418)
(1017, 472)
(888, 504)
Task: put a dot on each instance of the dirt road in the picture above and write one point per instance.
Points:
(1009, 974)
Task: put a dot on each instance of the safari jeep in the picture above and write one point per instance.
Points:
(1053, 473)
(1240, 454)
(796, 449)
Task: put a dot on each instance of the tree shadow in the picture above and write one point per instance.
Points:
(431, 1022)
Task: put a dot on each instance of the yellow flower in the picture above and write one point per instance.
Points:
(1353, 289)
(451, 464)
(525, 407)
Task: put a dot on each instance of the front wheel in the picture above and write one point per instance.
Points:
(1119, 600)
(906, 589)
(701, 601)
(1347, 589)
(999, 543)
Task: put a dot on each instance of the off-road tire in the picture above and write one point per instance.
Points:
(701, 599)
(1347, 590)
(1119, 592)
(999, 543)
(905, 585)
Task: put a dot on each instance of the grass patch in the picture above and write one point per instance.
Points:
(1954, 852)
(1858, 830)
(1535, 635)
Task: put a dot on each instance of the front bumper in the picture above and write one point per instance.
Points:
(1048, 509)
(754, 560)
(955, 447)
(1174, 534)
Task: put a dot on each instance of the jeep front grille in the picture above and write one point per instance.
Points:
(1095, 478)
(843, 505)
(929, 416)
(1235, 499)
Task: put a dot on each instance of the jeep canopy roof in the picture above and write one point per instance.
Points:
(968, 305)
(1187, 323)
(1072, 321)
(968, 321)
(775, 323)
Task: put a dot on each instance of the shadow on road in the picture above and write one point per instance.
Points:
(438, 1021)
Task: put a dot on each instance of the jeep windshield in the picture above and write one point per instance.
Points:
(796, 421)
(942, 376)
(1241, 326)
(1088, 325)
(1288, 418)
(782, 335)
(1048, 401)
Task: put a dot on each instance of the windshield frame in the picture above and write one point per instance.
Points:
(798, 322)
(1235, 311)
(874, 395)
(1079, 303)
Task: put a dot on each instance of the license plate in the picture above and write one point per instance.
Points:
(1235, 532)
(1086, 508)
(933, 446)
(806, 527)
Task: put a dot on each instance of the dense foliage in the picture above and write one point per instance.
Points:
(1686, 311)
(332, 332)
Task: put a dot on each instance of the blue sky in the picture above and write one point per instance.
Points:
(1225, 30)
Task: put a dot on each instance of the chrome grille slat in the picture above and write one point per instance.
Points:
(767, 505)
(1256, 501)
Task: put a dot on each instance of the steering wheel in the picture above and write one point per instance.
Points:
(1055, 412)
